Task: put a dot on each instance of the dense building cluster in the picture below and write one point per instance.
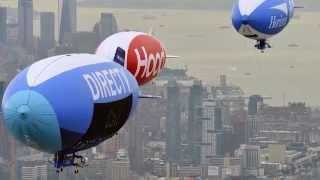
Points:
(20, 47)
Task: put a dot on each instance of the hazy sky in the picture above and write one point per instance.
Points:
(189, 4)
(45, 5)
(210, 47)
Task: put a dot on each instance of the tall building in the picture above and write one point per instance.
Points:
(3, 25)
(4, 150)
(195, 123)
(68, 21)
(136, 152)
(2, 89)
(254, 106)
(25, 24)
(251, 128)
(218, 116)
(108, 25)
(100, 169)
(223, 80)
(120, 166)
(228, 141)
(239, 121)
(250, 160)
(32, 167)
(231, 96)
(219, 130)
(35, 172)
(4, 171)
(90, 39)
(220, 142)
(7, 150)
(173, 146)
(47, 38)
(208, 146)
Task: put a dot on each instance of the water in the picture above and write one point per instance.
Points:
(209, 46)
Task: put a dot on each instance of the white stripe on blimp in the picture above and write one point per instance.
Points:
(108, 47)
(46, 69)
(282, 7)
(247, 7)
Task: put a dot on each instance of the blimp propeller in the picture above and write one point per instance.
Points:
(298, 7)
(147, 96)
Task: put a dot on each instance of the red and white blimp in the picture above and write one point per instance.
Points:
(142, 54)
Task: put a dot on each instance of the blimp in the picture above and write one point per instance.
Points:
(262, 19)
(140, 53)
(68, 103)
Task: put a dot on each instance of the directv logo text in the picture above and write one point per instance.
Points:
(107, 83)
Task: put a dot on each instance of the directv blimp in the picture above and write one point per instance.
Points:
(140, 53)
(262, 19)
(69, 103)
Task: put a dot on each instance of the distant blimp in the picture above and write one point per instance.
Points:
(262, 19)
(142, 54)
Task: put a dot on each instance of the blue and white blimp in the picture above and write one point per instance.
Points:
(68, 103)
(261, 19)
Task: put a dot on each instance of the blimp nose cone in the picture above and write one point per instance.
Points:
(23, 112)
(31, 119)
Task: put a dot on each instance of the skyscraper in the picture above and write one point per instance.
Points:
(173, 123)
(3, 25)
(108, 25)
(25, 24)
(254, 106)
(68, 21)
(219, 130)
(7, 150)
(47, 39)
(218, 122)
(223, 81)
(120, 166)
(34, 172)
(250, 160)
(194, 122)
(239, 121)
(4, 150)
(208, 146)
(4, 138)
(90, 38)
(135, 149)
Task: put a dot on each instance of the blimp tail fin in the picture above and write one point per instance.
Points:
(172, 57)
(147, 96)
(151, 31)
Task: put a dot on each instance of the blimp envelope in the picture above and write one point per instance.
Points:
(142, 54)
(69, 103)
(262, 18)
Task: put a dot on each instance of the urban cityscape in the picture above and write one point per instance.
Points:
(194, 131)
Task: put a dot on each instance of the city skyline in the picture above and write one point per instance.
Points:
(294, 58)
